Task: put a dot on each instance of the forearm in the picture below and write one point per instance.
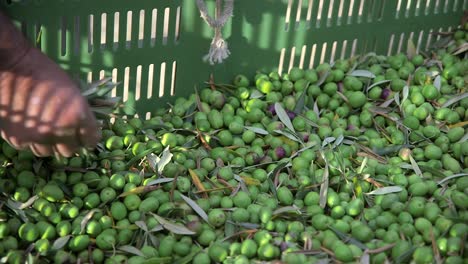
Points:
(13, 44)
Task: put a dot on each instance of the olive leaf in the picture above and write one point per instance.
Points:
(131, 250)
(166, 157)
(451, 177)
(324, 185)
(142, 225)
(188, 259)
(437, 82)
(173, 227)
(348, 238)
(385, 190)
(377, 84)
(283, 116)
(60, 242)
(454, 100)
(159, 181)
(195, 207)
(286, 209)
(362, 73)
(257, 130)
(86, 219)
(300, 102)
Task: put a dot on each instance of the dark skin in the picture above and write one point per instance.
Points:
(41, 107)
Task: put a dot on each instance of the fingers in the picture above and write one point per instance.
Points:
(40, 150)
(66, 150)
(88, 133)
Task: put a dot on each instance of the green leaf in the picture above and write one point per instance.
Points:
(327, 141)
(86, 218)
(300, 103)
(166, 157)
(60, 242)
(256, 94)
(324, 185)
(159, 181)
(195, 207)
(173, 227)
(140, 156)
(142, 225)
(131, 250)
(287, 209)
(291, 136)
(257, 130)
(362, 73)
(377, 84)
(415, 166)
(188, 259)
(385, 190)
(348, 239)
(454, 100)
(437, 82)
(405, 93)
(283, 116)
(323, 77)
(452, 177)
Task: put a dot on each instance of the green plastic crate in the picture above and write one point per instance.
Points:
(161, 56)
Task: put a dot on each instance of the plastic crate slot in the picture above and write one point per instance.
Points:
(125, 84)
(446, 6)
(343, 49)
(167, 13)
(309, 13)
(150, 81)
(360, 11)
(138, 83)
(291, 58)
(162, 79)
(370, 12)
(154, 20)
(103, 30)
(398, 9)
(63, 36)
(281, 61)
(400, 43)
(37, 35)
(429, 39)
(419, 42)
(354, 47)
(177, 25)
(330, 13)
(89, 77)
(322, 53)
(91, 33)
(141, 29)
(116, 30)
(381, 11)
(173, 77)
(333, 51)
(437, 7)
(350, 11)
(298, 14)
(76, 35)
(287, 18)
(340, 13)
(455, 5)
(418, 8)
(128, 36)
(148, 115)
(319, 14)
(302, 58)
(312, 56)
(114, 80)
